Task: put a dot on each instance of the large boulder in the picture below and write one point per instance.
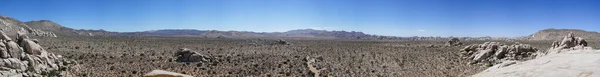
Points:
(187, 55)
(14, 49)
(495, 52)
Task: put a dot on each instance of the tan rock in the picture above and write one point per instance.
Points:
(33, 48)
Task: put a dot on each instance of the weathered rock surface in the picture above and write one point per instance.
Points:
(34, 62)
(495, 53)
(574, 63)
(162, 73)
(187, 55)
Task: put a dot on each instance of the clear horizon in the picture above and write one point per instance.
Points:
(462, 18)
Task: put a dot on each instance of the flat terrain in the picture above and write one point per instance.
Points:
(134, 56)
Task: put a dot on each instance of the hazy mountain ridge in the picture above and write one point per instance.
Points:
(308, 33)
(49, 28)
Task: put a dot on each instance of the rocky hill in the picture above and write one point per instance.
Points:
(555, 34)
(13, 26)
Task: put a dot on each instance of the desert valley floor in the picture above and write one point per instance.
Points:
(134, 56)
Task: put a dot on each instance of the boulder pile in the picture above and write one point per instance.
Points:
(453, 42)
(187, 55)
(281, 42)
(23, 57)
(567, 58)
(495, 52)
(569, 42)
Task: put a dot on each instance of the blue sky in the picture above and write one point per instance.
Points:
(380, 17)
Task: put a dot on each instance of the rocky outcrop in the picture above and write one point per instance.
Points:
(26, 58)
(569, 42)
(282, 42)
(453, 42)
(162, 73)
(495, 52)
(187, 55)
(571, 57)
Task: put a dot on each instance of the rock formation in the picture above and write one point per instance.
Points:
(570, 57)
(282, 42)
(162, 73)
(13, 26)
(187, 55)
(495, 53)
(569, 42)
(453, 42)
(26, 58)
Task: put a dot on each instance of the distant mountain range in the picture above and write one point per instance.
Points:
(57, 29)
(305, 33)
(51, 29)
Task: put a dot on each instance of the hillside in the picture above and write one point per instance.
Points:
(60, 30)
(12, 26)
(555, 34)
